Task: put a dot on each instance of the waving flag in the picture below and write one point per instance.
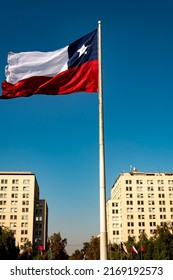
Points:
(134, 250)
(73, 68)
(124, 248)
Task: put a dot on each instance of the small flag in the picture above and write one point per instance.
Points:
(73, 68)
(50, 252)
(134, 250)
(124, 248)
(142, 248)
(29, 250)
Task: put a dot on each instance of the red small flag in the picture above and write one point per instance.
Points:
(142, 248)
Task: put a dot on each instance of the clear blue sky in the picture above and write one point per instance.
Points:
(56, 137)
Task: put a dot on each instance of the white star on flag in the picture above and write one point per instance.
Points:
(82, 50)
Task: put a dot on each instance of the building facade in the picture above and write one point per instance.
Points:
(19, 197)
(139, 202)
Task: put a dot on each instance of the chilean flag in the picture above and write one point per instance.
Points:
(73, 68)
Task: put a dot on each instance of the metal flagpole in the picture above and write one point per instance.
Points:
(103, 224)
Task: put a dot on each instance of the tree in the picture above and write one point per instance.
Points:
(8, 250)
(26, 251)
(163, 243)
(57, 247)
(92, 249)
(77, 255)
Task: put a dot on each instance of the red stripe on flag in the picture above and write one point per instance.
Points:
(77, 79)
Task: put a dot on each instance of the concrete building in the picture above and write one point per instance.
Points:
(19, 205)
(139, 202)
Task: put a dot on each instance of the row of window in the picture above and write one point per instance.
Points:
(14, 181)
(14, 209)
(150, 209)
(14, 195)
(14, 202)
(14, 188)
(151, 217)
(150, 182)
(150, 202)
(150, 189)
(150, 195)
(23, 217)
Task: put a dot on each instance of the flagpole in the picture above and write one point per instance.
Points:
(103, 224)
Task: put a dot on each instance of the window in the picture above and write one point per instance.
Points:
(115, 232)
(139, 188)
(14, 209)
(14, 195)
(113, 204)
(140, 209)
(128, 182)
(23, 239)
(151, 209)
(25, 202)
(3, 188)
(150, 195)
(38, 218)
(24, 217)
(130, 217)
(2, 217)
(26, 181)
(171, 202)
(141, 217)
(170, 182)
(162, 209)
(128, 189)
(170, 189)
(152, 224)
(114, 225)
(3, 202)
(150, 182)
(24, 224)
(24, 231)
(152, 217)
(141, 224)
(129, 202)
(151, 202)
(140, 195)
(140, 202)
(161, 189)
(161, 195)
(14, 202)
(25, 195)
(161, 202)
(13, 217)
(25, 209)
(4, 181)
(2, 209)
(26, 188)
(3, 195)
(130, 224)
(139, 182)
(129, 209)
(160, 182)
(129, 195)
(171, 209)
(130, 231)
(150, 189)
(14, 188)
(15, 181)
(162, 217)
(13, 224)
